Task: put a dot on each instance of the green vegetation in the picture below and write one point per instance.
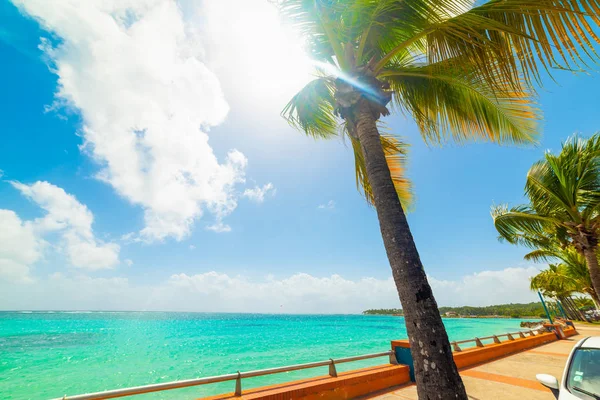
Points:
(516, 310)
(561, 222)
(383, 311)
(561, 281)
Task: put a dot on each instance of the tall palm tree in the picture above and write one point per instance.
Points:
(462, 73)
(564, 202)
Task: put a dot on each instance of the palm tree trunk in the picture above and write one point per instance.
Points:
(571, 311)
(578, 314)
(591, 258)
(435, 371)
(566, 307)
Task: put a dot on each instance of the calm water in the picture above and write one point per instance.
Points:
(46, 355)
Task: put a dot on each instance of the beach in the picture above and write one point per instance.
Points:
(50, 354)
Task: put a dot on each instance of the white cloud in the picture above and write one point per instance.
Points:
(257, 194)
(132, 237)
(192, 247)
(219, 227)
(73, 220)
(330, 205)
(486, 287)
(19, 247)
(128, 262)
(299, 293)
(135, 71)
(1, 173)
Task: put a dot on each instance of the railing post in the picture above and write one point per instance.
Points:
(238, 384)
(478, 342)
(332, 370)
(455, 346)
(393, 358)
(510, 337)
(522, 335)
(496, 340)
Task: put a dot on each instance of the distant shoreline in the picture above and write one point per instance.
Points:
(512, 310)
(495, 316)
(536, 317)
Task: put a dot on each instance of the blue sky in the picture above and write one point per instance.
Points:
(69, 103)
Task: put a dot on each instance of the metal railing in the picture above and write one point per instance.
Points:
(238, 376)
(496, 338)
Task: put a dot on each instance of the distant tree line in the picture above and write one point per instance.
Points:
(514, 310)
(383, 311)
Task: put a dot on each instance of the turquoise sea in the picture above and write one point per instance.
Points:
(45, 355)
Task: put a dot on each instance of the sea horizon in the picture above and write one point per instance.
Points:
(248, 313)
(178, 311)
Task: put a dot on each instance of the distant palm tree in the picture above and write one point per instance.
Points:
(584, 303)
(564, 205)
(462, 73)
(572, 272)
(556, 282)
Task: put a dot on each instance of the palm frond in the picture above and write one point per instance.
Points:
(512, 223)
(575, 265)
(555, 280)
(512, 37)
(549, 192)
(532, 241)
(579, 166)
(540, 255)
(379, 25)
(571, 275)
(566, 185)
(551, 250)
(447, 100)
(312, 110)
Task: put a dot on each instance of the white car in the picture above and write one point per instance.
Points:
(581, 378)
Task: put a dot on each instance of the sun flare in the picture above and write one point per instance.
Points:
(274, 62)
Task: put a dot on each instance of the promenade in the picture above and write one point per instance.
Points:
(511, 377)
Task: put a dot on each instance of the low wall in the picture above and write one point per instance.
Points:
(347, 385)
(351, 384)
(570, 332)
(477, 355)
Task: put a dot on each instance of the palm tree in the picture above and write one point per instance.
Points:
(572, 270)
(462, 73)
(564, 204)
(584, 303)
(558, 283)
(561, 280)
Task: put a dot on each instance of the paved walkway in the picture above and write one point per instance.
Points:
(511, 377)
